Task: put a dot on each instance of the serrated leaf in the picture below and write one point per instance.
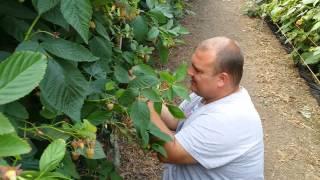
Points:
(181, 91)
(140, 28)
(101, 30)
(12, 145)
(153, 33)
(143, 69)
(176, 111)
(5, 125)
(30, 46)
(44, 5)
(52, 155)
(20, 73)
(154, 130)
(68, 50)
(78, 14)
(101, 47)
(158, 148)
(128, 97)
(98, 117)
(166, 76)
(64, 88)
(151, 94)
(121, 74)
(55, 16)
(140, 115)
(181, 72)
(143, 82)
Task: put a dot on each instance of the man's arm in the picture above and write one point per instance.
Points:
(168, 119)
(175, 152)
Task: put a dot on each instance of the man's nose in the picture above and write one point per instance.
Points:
(190, 71)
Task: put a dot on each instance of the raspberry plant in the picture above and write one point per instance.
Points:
(75, 76)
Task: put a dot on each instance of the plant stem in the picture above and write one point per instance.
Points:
(31, 27)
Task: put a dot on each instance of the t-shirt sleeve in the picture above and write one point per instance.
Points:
(206, 140)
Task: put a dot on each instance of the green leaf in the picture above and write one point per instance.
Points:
(181, 72)
(163, 53)
(157, 107)
(144, 82)
(307, 1)
(140, 28)
(12, 145)
(64, 88)
(4, 55)
(140, 115)
(14, 27)
(315, 27)
(30, 46)
(100, 47)
(16, 110)
(101, 30)
(128, 97)
(153, 33)
(68, 50)
(98, 117)
(143, 69)
(154, 130)
(151, 94)
(181, 91)
(5, 125)
(78, 14)
(52, 155)
(55, 134)
(110, 85)
(166, 76)
(157, 16)
(176, 111)
(158, 148)
(43, 6)
(151, 3)
(121, 74)
(311, 58)
(68, 167)
(20, 74)
(55, 16)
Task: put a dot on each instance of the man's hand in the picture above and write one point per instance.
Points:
(175, 152)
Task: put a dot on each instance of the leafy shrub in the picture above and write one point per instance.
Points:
(75, 75)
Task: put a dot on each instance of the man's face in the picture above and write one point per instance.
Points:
(204, 81)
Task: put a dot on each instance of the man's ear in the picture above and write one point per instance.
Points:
(224, 79)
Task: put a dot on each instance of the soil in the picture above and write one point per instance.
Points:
(290, 115)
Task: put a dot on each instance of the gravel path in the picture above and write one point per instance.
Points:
(290, 115)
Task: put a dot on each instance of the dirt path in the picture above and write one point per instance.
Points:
(291, 117)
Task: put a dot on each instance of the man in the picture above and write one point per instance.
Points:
(222, 137)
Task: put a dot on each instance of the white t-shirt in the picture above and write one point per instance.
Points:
(225, 137)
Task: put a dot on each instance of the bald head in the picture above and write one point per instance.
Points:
(227, 56)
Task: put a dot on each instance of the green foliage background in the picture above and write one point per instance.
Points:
(75, 75)
(300, 22)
